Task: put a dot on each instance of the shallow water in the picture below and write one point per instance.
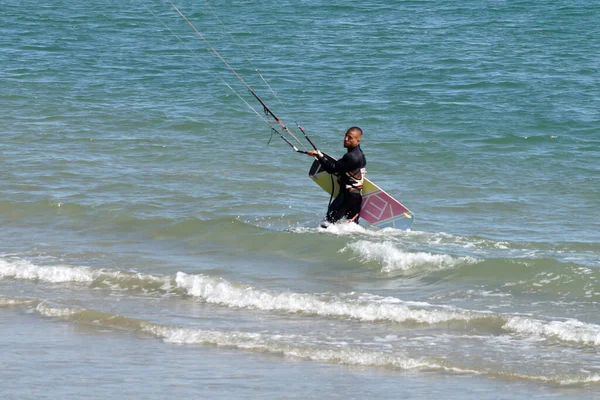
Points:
(154, 241)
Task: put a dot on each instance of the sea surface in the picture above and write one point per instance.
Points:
(159, 240)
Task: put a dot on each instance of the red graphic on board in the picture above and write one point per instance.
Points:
(379, 206)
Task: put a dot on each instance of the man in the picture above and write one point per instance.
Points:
(351, 171)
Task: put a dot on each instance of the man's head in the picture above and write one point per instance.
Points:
(353, 137)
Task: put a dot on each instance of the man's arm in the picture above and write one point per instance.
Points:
(345, 164)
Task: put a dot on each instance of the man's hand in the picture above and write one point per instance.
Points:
(314, 153)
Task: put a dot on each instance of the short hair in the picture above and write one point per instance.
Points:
(356, 129)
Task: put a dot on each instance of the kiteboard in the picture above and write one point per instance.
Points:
(378, 207)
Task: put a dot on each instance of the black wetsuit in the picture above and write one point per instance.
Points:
(350, 170)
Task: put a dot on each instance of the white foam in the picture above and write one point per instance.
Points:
(570, 330)
(340, 354)
(60, 312)
(394, 259)
(344, 229)
(269, 343)
(23, 269)
(220, 291)
(362, 307)
(593, 378)
(351, 229)
(8, 302)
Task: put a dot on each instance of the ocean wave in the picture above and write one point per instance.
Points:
(362, 307)
(394, 259)
(215, 290)
(223, 292)
(294, 346)
(274, 344)
(566, 331)
(286, 345)
(537, 276)
(23, 269)
(15, 302)
(48, 310)
(453, 242)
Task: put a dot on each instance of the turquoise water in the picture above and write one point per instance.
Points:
(157, 241)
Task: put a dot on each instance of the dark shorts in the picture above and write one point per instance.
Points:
(346, 204)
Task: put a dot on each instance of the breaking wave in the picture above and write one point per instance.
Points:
(362, 307)
(393, 259)
(289, 346)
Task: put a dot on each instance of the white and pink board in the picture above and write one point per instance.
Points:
(378, 207)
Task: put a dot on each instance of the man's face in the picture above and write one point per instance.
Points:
(351, 140)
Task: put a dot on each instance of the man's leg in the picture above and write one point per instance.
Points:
(338, 209)
(354, 201)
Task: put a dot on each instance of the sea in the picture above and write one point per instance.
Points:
(158, 239)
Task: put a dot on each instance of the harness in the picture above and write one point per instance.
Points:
(354, 180)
